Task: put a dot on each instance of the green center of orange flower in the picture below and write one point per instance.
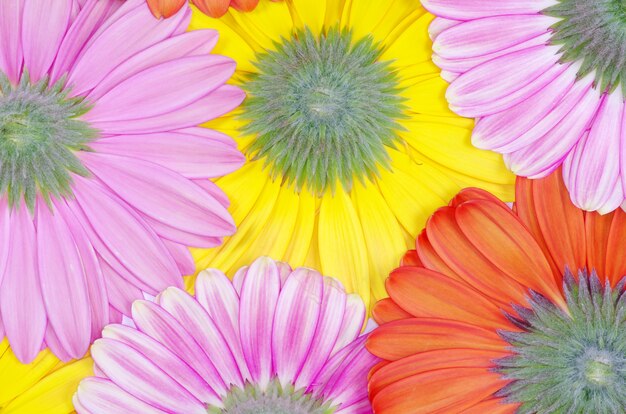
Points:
(569, 362)
(323, 109)
(275, 399)
(593, 32)
(39, 134)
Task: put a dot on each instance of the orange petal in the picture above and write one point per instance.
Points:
(244, 5)
(468, 194)
(395, 371)
(497, 233)
(597, 229)
(466, 260)
(562, 224)
(213, 8)
(165, 8)
(493, 406)
(450, 391)
(411, 258)
(386, 311)
(431, 259)
(405, 337)
(616, 244)
(424, 293)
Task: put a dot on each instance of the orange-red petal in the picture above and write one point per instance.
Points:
(244, 5)
(213, 8)
(493, 406)
(401, 338)
(411, 258)
(597, 230)
(386, 311)
(431, 259)
(424, 293)
(615, 249)
(165, 8)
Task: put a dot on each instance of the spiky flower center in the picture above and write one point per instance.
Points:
(39, 135)
(275, 399)
(570, 361)
(593, 32)
(322, 110)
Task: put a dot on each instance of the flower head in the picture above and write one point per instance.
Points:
(350, 144)
(526, 306)
(103, 172)
(274, 340)
(546, 81)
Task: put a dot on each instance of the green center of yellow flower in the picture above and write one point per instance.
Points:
(275, 399)
(39, 134)
(569, 362)
(593, 32)
(323, 109)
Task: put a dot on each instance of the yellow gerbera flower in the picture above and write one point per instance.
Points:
(349, 139)
(46, 385)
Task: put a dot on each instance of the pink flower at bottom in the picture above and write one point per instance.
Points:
(104, 174)
(273, 340)
(546, 80)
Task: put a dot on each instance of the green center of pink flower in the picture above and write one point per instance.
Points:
(593, 32)
(275, 399)
(569, 362)
(39, 135)
(323, 109)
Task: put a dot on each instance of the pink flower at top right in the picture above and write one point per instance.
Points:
(546, 81)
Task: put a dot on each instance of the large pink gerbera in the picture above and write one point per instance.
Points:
(546, 80)
(102, 170)
(272, 341)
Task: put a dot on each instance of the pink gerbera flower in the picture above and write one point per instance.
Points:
(272, 341)
(546, 80)
(102, 170)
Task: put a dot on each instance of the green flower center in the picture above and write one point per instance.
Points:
(39, 134)
(323, 109)
(569, 362)
(273, 400)
(593, 32)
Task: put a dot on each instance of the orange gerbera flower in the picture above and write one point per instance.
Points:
(503, 311)
(213, 8)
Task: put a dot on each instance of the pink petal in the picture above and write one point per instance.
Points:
(98, 395)
(118, 41)
(345, 375)
(473, 9)
(490, 35)
(182, 256)
(211, 188)
(440, 24)
(547, 152)
(501, 131)
(63, 282)
(295, 323)
(196, 43)
(96, 289)
(91, 16)
(284, 272)
(127, 237)
(21, 303)
(190, 314)
(218, 297)
(594, 163)
(11, 54)
(159, 193)
(5, 235)
(259, 295)
(330, 322)
(121, 292)
(499, 77)
(179, 236)
(160, 325)
(239, 277)
(135, 373)
(43, 29)
(162, 357)
(352, 323)
(217, 103)
(52, 342)
(162, 88)
(193, 156)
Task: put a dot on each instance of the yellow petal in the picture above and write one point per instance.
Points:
(412, 45)
(298, 248)
(343, 253)
(266, 24)
(377, 18)
(383, 235)
(308, 13)
(53, 394)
